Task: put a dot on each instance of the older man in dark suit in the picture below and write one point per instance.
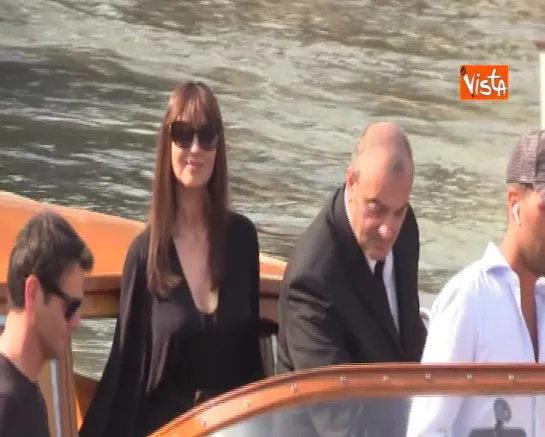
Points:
(350, 290)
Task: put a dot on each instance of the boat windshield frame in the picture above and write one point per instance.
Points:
(335, 383)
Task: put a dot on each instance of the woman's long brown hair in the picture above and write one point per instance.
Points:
(196, 103)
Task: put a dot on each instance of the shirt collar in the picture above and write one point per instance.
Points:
(493, 259)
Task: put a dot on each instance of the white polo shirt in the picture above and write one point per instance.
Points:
(477, 318)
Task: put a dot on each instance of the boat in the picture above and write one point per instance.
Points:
(241, 411)
(68, 393)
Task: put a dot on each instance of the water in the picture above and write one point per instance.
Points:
(84, 84)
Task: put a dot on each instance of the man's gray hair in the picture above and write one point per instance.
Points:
(402, 157)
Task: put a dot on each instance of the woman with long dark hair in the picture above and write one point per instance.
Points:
(188, 324)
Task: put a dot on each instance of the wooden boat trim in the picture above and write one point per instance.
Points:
(102, 297)
(342, 382)
(57, 386)
(85, 389)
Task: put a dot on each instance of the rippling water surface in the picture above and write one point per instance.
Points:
(83, 85)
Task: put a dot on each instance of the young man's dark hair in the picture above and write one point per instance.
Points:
(45, 247)
(45, 290)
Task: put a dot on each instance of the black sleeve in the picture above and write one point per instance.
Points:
(314, 339)
(114, 408)
(10, 420)
(420, 332)
(243, 249)
(255, 358)
(313, 335)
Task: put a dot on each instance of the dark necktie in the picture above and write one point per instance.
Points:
(379, 276)
(378, 273)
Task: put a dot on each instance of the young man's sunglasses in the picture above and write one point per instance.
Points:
(182, 134)
(72, 304)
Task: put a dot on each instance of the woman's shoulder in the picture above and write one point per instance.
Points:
(240, 225)
(137, 252)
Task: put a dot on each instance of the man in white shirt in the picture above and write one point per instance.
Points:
(493, 311)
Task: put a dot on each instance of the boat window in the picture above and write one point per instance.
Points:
(387, 417)
(405, 400)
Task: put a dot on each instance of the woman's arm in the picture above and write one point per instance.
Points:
(114, 408)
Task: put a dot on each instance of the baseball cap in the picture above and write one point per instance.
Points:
(527, 163)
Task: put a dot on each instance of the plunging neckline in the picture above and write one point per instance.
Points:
(180, 268)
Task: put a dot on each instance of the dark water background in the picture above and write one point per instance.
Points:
(84, 83)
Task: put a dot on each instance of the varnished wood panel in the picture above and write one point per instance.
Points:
(85, 391)
(65, 391)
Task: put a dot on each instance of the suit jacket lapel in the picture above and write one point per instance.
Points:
(400, 277)
(359, 271)
(406, 279)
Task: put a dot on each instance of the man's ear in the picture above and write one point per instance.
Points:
(513, 197)
(32, 292)
(351, 176)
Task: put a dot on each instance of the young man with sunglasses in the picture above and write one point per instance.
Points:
(45, 291)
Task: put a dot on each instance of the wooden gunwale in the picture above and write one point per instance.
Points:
(109, 238)
(365, 381)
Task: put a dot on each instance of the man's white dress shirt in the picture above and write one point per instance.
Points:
(477, 317)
